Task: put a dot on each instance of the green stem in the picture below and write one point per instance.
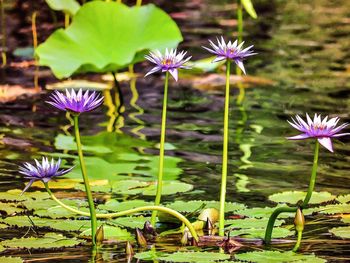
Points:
(86, 180)
(3, 33)
(225, 152)
(313, 176)
(275, 214)
(128, 212)
(161, 150)
(297, 244)
(240, 20)
(272, 219)
(138, 2)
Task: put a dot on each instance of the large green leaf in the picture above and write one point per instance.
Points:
(107, 36)
(67, 6)
(278, 232)
(49, 240)
(112, 232)
(343, 232)
(276, 257)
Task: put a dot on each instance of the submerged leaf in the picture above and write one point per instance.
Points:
(48, 241)
(107, 36)
(276, 257)
(292, 197)
(194, 257)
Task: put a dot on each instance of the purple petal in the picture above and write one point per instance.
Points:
(240, 65)
(340, 134)
(326, 142)
(299, 137)
(28, 185)
(174, 73)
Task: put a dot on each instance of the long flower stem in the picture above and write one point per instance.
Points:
(86, 180)
(3, 33)
(161, 150)
(313, 176)
(280, 210)
(225, 152)
(240, 20)
(138, 2)
(128, 212)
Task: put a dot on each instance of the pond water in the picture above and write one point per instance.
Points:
(303, 66)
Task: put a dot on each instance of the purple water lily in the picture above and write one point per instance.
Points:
(43, 171)
(231, 51)
(76, 102)
(171, 62)
(322, 130)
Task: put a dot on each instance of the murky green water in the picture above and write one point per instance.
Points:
(303, 51)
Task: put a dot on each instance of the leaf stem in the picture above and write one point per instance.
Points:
(128, 212)
(273, 217)
(161, 149)
(225, 151)
(86, 180)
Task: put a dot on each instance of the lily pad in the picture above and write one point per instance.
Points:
(278, 232)
(261, 212)
(10, 208)
(149, 255)
(131, 222)
(344, 198)
(48, 241)
(62, 225)
(276, 256)
(292, 197)
(115, 206)
(11, 260)
(250, 223)
(343, 232)
(67, 6)
(107, 36)
(333, 209)
(194, 257)
(15, 196)
(112, 233)
(191, 206)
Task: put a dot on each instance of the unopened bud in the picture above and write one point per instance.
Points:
(299, 221)
(141, 240)
(128, 249)
(148, 229)
(184, 239)
(99, 235)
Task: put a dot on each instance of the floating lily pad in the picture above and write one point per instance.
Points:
(134, 187)
(249, 223)
(115, 206)
(107, 36)
(10, 208)
(276, 256)
(149, 255)
(49, 203)
(112, 233)
(344, 198)
(2, 248)
(194, 257)
(260, 212)
(2, 226)
(62, 225)
(48, 241)
(292, 197)
(131, 222)
(15, 195)
(11, 260)
(24, 52)
(191, 206)
(58, 212)
(333, 209)
(67, 6)
(343, 232)
(278, 232)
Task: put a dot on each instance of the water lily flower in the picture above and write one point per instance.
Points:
(322, 130)
(171, 62)
(75, 102)
(43, 171)
(231, 51)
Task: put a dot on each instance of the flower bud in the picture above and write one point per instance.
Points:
(141, 240)
(99, 235)
(299, 221)
(128, 249)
